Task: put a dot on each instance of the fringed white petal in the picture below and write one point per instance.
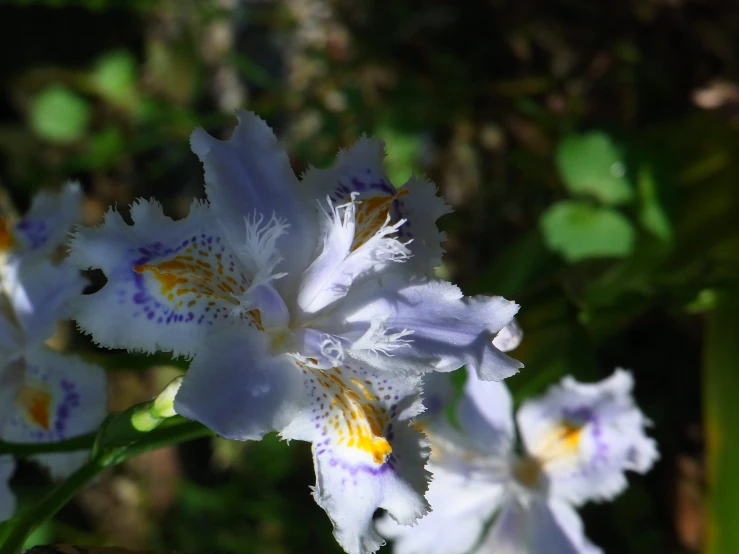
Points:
(587, 436)
(168, 281)
(250, 173)
(460, 509)
(438, 329)
(61, 397)
(366, 454)
(343, 261)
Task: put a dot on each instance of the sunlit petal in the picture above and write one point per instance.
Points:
(238, 388)
(359, 170)
(424, 325)
(167, 280)
(365, 452)
(249, 173)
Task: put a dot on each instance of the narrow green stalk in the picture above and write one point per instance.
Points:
(30, 519)
(24, 449)
(721, 382)
(166, 436)
(27, 521)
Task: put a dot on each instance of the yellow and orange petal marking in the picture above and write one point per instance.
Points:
(372, 213)
(350, 411)
(201, 281)
(562, 441)
(7, 240)
(36, 406)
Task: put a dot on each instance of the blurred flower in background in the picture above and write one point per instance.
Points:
(578, 440)
(46, 395)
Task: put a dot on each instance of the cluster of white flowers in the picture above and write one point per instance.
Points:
(44, 395)
(310, 307)
(488, 496)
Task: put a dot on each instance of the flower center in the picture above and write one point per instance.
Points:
(7, 240)
(528, 472)
(372, 214)
(281, 340)
(36, 405)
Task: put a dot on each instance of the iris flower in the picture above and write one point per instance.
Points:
(308, 307)
(578, 441)
(44, 395)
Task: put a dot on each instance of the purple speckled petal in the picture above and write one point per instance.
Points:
(47, 222)
(62, 396)
(167, 280)
(366, 454)
(587, 436)
(359, 169)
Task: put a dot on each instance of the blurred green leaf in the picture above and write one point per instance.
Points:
(592, 164)
(578, 230)
(402, 152)
(104, 148)
(721, 381)
(59, 114)
(652, 215)
(114, 77)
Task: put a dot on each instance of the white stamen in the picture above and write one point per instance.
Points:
(332, 349)
(260, 253)
(377, 339)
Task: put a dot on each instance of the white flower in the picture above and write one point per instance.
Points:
(308, 308)
(578, 440)
(44, 395)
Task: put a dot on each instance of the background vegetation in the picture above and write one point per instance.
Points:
(589, 150)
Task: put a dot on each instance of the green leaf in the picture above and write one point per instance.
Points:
(578, 230)
(592, 164)
(652, 215)
(59, 115)
(104, 148)
(721, 381)
(114, 76)
(402, 152)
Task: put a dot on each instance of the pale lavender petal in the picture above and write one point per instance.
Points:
(61, 397)
(250, 174)
(359, 170)
(460, 509)
(168, 280)
(421, 326)
(587, 436)
(238, 388)
(366, 454)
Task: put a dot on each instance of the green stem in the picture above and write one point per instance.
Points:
(24, 449)
(166, 436)
(721, 381)
(27, 521)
